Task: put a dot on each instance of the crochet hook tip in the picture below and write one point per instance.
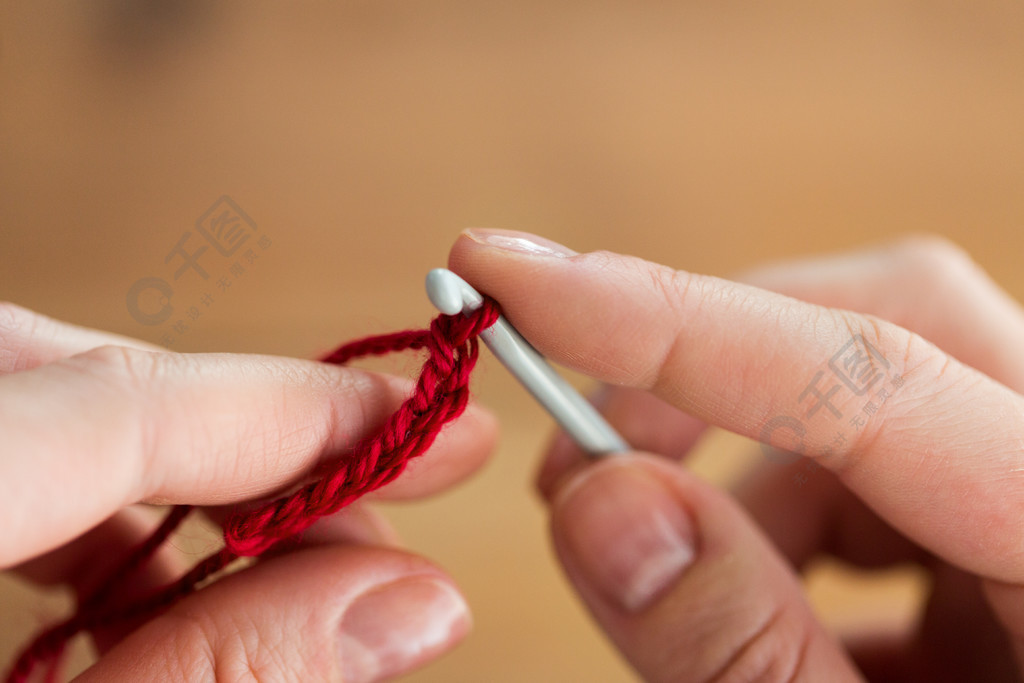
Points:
(451, 295)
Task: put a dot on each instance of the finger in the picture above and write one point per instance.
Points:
(87, 561)
(821, 516)
(650, 424)
(357, 524)
(29, 339)
(645, 421)
(805, 512)
(683, 583)
(202, 429)
(324, 614)
(958, 637)
(78, 565)
(924, 284)
(85, 564)
(1007, 601)
(749, 360)
(82, 563)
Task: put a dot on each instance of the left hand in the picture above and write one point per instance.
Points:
(91, 424)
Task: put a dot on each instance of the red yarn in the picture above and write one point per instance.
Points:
(441, 394)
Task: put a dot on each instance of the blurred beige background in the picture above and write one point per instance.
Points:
(360, 137)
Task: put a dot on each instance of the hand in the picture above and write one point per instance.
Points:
(693, 584)
(92, 424)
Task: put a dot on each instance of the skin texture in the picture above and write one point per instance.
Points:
(94, 424)
(690, 582)
(697, 584)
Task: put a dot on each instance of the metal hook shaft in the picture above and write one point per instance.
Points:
(451, 294)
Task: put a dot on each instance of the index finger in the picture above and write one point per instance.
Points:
(934, 446)
(29, 339)
(88, 435)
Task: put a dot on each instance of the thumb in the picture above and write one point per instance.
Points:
(335, 613)
(682, 581)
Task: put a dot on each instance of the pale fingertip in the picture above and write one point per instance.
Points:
(628, 532)
(399, 626)
(682, 581)
(518, 242)
(332, 613)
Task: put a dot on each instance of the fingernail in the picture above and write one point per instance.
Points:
(393, 628)
(629, 535)
(520, 242)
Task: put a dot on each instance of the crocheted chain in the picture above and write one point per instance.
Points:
(441, 395)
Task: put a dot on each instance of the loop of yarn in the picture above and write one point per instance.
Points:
(441, 395)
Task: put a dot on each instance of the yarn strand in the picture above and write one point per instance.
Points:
(441, 395)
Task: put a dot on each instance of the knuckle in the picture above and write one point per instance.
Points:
(603, 259)
(352, 400)
(128, 377)
(14, 317)
(672, 286)
(130, 367)
(935, 259)
(17, 326)
(872, 330)
(232, 649)
(668, 284)
(189, 654)
(672, 289)
(885, 349)
(246, 654)
(894, 353)
(773, 652)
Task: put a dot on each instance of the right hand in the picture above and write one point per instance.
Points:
(693, 584)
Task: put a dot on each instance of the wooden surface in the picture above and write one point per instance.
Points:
(360, 137)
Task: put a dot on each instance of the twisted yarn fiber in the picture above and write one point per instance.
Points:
(441, 395)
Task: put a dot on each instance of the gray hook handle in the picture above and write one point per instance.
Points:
(451, 294)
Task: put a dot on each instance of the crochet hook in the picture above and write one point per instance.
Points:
(451, 294)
